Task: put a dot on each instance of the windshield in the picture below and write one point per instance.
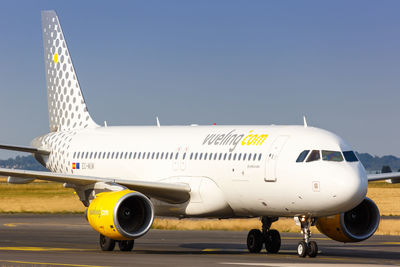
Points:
(302, 156)
(314, 155)
(350, 156)
(329, 155)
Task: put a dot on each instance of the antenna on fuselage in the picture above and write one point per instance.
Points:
(305, 122)
(158, 122)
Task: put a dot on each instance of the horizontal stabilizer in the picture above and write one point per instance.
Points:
(25, 149)
(169, 192)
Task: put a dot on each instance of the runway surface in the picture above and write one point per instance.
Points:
(68, 240)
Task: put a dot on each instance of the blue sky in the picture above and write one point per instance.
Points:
(228, 62)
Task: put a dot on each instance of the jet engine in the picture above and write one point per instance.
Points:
(355, 225)
(121, 215)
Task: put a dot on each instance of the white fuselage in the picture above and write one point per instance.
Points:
(211, 160)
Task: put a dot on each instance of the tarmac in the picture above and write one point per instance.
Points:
(68, 240)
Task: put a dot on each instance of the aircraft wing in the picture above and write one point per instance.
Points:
(392, 177)
(24, 149)
(169, 192)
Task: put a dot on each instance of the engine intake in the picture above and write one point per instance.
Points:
(354, 225)
(121, 215)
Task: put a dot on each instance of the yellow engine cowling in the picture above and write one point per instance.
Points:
(354, 225)
(122, 215)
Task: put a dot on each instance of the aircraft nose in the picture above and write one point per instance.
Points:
(352, 188)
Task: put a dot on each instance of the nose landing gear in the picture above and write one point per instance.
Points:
(306, 247)
(270, 237)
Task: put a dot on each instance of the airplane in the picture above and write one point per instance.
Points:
(127, 175)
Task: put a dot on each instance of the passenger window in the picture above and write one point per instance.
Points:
(195, 156)
(166, 155)
(112, 155)
(121, 155)
(230, 156)
(240, 156)
(302, 156)
(249, 157)
(201, 155)
(157, 155)
(116, 155)
(220, 156)
(108, 155)
(329, 155)
(134, 155)
(74, 155)
(234, 156)
(104, 155)
(244, 156)
(205, 156)
(314, 155)
(148, 155)
(171, 155)
(259, 157)
(215, 156)
(130, 155)
(350, 156)
(162, 155)
(210, 156)
(191, 156)
(225, 156)
(255, 156)
(152, 155)
(184, 155)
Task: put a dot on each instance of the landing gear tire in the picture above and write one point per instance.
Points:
(302, 249)
(254, 241)
(106, 244)
(312, 249)
(126, 245)
(272, 241)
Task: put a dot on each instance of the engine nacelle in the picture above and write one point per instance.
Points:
(354, 225)
(121, 215)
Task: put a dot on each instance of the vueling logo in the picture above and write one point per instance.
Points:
(232, 139)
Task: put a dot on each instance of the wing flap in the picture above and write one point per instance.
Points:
(384, 176)
(169, 192)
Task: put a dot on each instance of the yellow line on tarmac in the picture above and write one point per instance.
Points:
(389, 243)
(211, 249)
(42, 249)
(50, 263)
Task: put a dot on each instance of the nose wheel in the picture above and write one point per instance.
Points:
(268, 237)
(306, 247)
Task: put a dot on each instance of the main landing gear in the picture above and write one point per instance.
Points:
(306, 247)
(108, 244)
(270, 237)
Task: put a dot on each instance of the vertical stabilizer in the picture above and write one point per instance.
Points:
(67, 107)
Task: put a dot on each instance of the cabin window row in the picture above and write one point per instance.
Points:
(168, 155)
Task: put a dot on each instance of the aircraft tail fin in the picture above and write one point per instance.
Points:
(67, 107)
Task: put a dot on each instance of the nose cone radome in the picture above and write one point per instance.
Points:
(351, 188)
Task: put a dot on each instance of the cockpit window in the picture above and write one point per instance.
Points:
(350, 156)
(302, 156)
(314, 155)
(329, 155)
